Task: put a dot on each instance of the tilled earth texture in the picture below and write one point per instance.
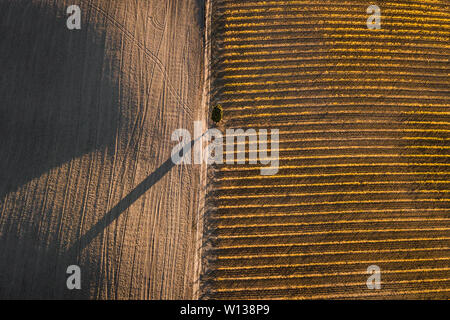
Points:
(86, 118)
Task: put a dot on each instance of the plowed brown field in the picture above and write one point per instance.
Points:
(364, 150)
(86, 177)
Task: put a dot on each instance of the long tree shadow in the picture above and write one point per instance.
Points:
(61, 97)
(126, 202)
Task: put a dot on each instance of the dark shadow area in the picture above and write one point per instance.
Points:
(201, 14)
(61, 97)
(58, 101)
(43, 263)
